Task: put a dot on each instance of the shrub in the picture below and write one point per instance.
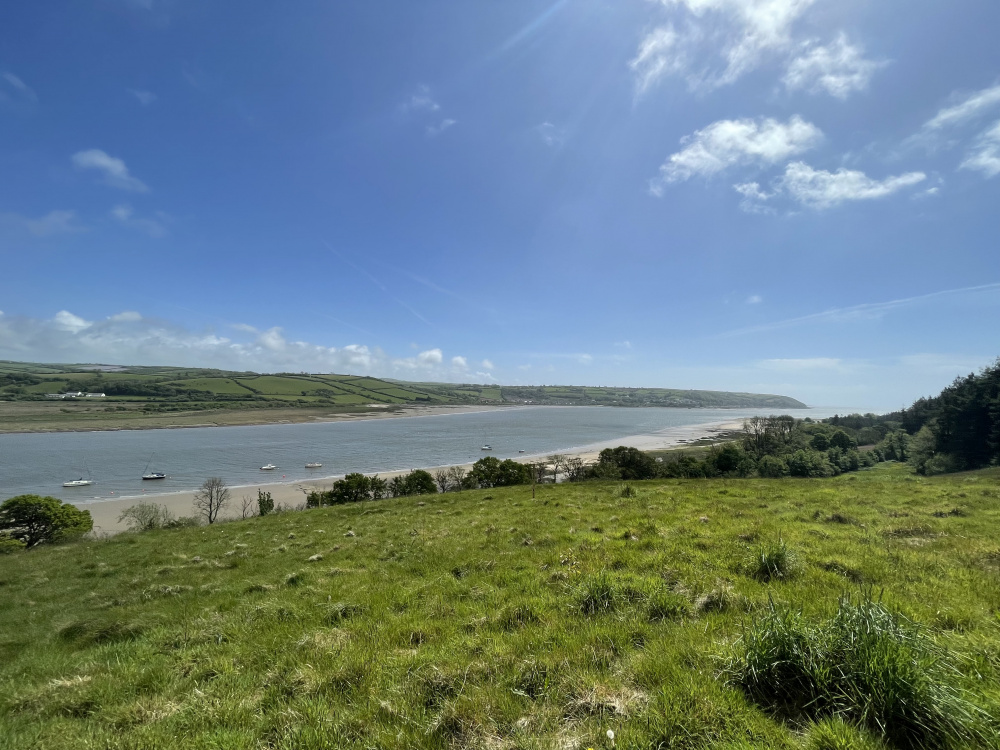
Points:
(146, 516)
(37, 520)
(805, 463)
(9, 546)
(772, 467)
(265, 503)
(866, 665)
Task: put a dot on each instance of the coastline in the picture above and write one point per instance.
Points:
(106, 512)
(402, 412)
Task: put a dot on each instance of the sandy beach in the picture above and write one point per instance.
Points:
(293, 494)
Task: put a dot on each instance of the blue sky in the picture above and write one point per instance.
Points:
(791, 196)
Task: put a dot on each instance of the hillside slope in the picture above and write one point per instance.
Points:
(485, 618)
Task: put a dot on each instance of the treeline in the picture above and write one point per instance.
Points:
(957, 430)
(485, 473)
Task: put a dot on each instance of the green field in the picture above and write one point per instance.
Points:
(489, 619)
(143, 396)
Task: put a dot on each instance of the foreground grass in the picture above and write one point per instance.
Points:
(488, 619)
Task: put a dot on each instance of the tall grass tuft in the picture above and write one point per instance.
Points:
(596, 594)
(772, 560)
(866, 665)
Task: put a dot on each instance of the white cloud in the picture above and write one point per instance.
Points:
(54, 222)
(819, 188)
(754, 198)
(623, 344)
(130, 338)
(67, 321)
(742, 32)
(728, 143)
(273, 340)
(985, 154)
(115, 172)
(487, 365)
(145, 98)
(420, 101)
(126, 216)
(838, 69)
(460, 363)
(430, 357)
(660, 54)
(433, 130)
(754, 299)
(967, 109)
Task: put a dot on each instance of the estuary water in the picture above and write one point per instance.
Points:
(115, 461)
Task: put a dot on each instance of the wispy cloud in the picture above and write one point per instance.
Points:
(378, 283)
(125, 215)
(984, 156)
(439, 128)
(754, 299)
(145, 98)
(968, 108)
(718, 41)
(52, 223)
(114, 172)
(866, 311)
(839, 69)
(729, 143)
(420, 101)
(15, 94)
(551, 135)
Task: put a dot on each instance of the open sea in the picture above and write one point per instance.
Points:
(40, 463)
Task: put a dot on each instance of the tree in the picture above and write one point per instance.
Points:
(557, 462)
(212, 498)
(38, 520)
(921, 449)
(492, 472)
(265, 503)
(145, 516)
(442, 479)
(632, 463)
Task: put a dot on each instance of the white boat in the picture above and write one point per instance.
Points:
(81, 482)
(268, 467)
(148, 475)
(314, 466)
(520, 451)
(486, 448)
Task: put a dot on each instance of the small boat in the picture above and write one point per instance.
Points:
(268, 467)
(148, 475)
(520, 451)
(314, 466)
(486, 448)
(81, 482)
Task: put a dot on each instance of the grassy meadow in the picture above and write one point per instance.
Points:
(653, 610)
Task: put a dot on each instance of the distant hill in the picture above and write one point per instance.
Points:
(22, 381)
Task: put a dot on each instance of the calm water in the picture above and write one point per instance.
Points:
(40, 463)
